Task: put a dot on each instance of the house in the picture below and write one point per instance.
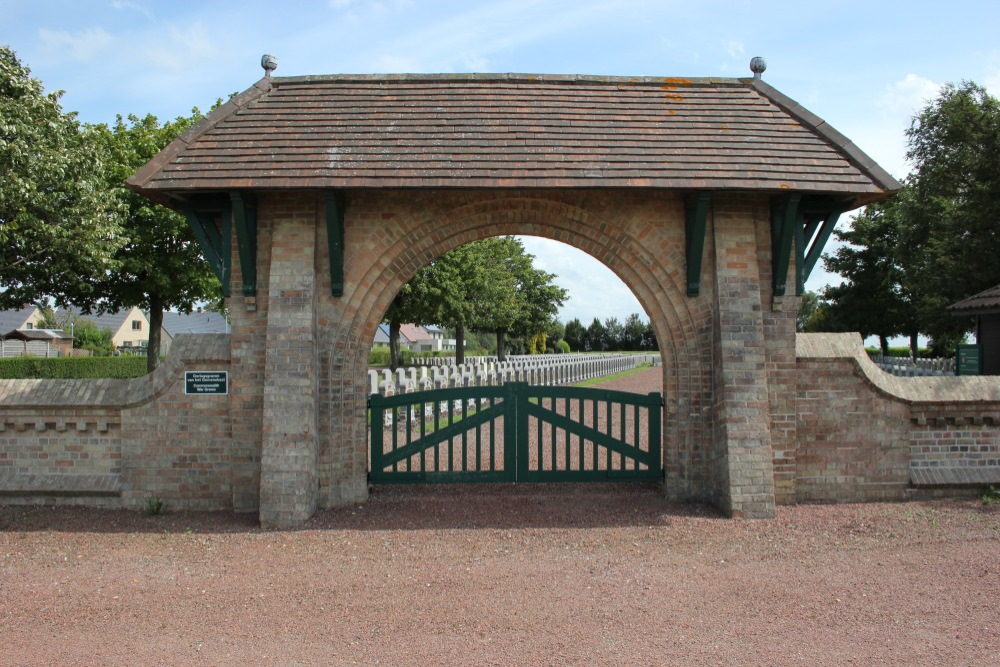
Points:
(204, 322)
(23, 318)
(129, 327)
(985, 307)
(415, 337)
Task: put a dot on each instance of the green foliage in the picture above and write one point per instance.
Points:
(932, 245)
(160, 265)
(88, 336)
(380, 357)
(990, 495)
(563, 347)
(154, 506)
(39, 368)
(576, 335)
(59, 225)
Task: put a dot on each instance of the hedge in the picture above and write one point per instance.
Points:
(72, 367)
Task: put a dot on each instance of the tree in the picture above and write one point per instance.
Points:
(632, 332)
(88, 336)
(596, 339)
(575, 335)
(873, 298)
(807, 309)
(514, 298)
(160, 264)
(59, 226)
(614, 332)
(951, 221)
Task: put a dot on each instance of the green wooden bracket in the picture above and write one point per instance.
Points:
(695, 223)
(819, 242)
(245, 220)
(784, 217)
(335, 239)
(210, 218)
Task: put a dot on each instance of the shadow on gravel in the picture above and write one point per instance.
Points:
(458, 507)
(411, 507)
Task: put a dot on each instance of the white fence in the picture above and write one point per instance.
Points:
(907, 367)
(480, 371)
(32, 348)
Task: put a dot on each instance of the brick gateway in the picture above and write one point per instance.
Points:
(317, 198)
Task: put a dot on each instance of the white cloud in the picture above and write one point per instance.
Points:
(735, 49)
(908, 95)
(83, 45)
(594, 290)
(132, 6)
(185, 49)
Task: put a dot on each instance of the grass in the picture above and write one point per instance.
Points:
(613, 376)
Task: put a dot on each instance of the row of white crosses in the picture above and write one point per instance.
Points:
(546, 370)
(483, 371)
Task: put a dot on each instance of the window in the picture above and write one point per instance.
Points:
(136, 325)
(29, 326)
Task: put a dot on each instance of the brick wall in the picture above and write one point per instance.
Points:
(115, 442)
(866, 435)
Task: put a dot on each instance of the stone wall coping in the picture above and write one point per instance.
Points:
(913, 390)
(186, 350)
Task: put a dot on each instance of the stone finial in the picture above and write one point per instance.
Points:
(757, 66)
(269, 63)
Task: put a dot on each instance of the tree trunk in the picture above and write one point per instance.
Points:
(459, 343)
(884, 344)
(914, 346)
(394, 345)
(155, 325)
(501, 345)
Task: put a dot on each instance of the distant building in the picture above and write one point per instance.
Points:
(37, 342)
(129, 327)
(23, 318)
(416, 338)
(195, 323)
(985, 307)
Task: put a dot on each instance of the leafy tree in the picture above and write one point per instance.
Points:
(575, 335)
(160, 264)
(59, 226)
(614, 333)
(632, 332)
(88, 336)
(807, 309)
(951, 226)
(873, 299)
(596, 339)
(649, 341)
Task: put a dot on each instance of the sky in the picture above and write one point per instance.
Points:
(864, 67)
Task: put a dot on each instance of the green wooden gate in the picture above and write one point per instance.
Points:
(515, 433)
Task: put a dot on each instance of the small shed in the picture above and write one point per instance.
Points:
(37, 342)
(985, 307)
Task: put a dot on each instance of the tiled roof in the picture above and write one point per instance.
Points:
(413, 332)
(986, 302)
(37, 334)
(206, 322)
(525, 131)
(15, 319)
(112, 321)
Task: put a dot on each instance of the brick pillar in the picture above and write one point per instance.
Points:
(288, 484)
(742, 448)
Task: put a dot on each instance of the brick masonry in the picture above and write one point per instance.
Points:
(866, 435)
(754, 415)
(116, 442)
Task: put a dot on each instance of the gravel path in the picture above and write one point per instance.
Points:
(505, 575)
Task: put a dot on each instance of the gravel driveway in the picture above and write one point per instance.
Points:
(505, 575)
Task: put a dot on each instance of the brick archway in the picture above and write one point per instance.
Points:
(316, 198)
(592, 223)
